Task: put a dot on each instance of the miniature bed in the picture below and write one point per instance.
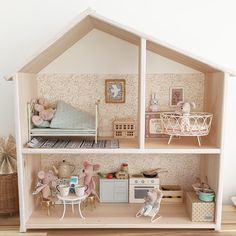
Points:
(196, 124)
(80, 129)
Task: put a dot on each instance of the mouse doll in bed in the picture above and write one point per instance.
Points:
(44, 113)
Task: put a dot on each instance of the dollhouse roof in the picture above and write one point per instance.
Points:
(89, 20)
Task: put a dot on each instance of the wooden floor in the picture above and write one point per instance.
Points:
(119, 215)
(116, 232)
(183, 144)
(9, 226)
(229, 218)
(7, 220)
(137, 232)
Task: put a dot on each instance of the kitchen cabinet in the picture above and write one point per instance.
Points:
(113, 190)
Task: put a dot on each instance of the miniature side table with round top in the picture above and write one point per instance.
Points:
(73, 199)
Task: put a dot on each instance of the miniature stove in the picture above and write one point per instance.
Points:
(139, 186)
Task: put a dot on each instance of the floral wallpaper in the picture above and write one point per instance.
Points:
(182, 169)
(83, 90)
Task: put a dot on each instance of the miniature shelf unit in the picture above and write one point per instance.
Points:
(120, 215)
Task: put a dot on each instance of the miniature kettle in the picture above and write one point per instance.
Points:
(64, 169)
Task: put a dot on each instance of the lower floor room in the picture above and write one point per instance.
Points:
(119, 191)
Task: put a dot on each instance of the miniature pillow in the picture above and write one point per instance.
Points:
(68, 117)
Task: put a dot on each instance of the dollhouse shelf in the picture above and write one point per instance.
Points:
(115, 216)
(123, 151)
(182, 145)
(30, 160)
(189, 146)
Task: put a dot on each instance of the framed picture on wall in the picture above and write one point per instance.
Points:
(176, 95)
(115, 91)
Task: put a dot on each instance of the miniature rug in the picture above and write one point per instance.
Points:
(73, 144)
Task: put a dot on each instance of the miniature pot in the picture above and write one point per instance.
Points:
(153, 173)
(208, 196)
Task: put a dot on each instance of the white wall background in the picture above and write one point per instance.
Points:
(229, 155)
(101, 53)
(205, 28)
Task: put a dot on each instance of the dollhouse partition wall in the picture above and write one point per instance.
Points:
(184, 160)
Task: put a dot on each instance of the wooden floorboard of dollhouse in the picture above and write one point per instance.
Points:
(186, 145)
(114, 216)
(181, 144)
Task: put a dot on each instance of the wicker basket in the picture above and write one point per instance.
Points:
(9, 194)
(196, 124)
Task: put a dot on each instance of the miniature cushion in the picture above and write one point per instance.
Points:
(68, 117)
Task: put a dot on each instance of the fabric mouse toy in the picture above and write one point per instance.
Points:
(185, 110)
(44, 113)
(46, 180)
(152, 204)
(88, 173)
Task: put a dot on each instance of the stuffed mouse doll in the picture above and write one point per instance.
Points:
(152, 200)
(151, 205)
(44, 113)
(45, 181)
(185, 110)
(88, 173)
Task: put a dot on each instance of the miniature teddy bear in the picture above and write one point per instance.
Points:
(44, 113)
(45, 181)
(185, 109)
(154, 103)
(88, 173)
(152, 201)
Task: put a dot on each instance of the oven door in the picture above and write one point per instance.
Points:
(137, 193)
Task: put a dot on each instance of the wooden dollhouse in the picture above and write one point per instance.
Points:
(186, 157)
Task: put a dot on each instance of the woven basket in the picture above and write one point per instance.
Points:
(9, 194)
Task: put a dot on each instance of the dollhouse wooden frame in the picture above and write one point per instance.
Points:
(211, 153)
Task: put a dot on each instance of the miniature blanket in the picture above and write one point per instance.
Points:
(68, 117)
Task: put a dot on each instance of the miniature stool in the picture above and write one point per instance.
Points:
(46, 203)
(91, 200)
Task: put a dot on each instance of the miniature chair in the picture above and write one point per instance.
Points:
(46, 203)
(153, 214)
(90, 200)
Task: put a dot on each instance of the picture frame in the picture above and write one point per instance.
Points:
(176, 95)
(115, 91)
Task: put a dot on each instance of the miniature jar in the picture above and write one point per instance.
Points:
(125, 167)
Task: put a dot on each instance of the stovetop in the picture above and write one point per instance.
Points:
(138, 176)
(139, 179)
